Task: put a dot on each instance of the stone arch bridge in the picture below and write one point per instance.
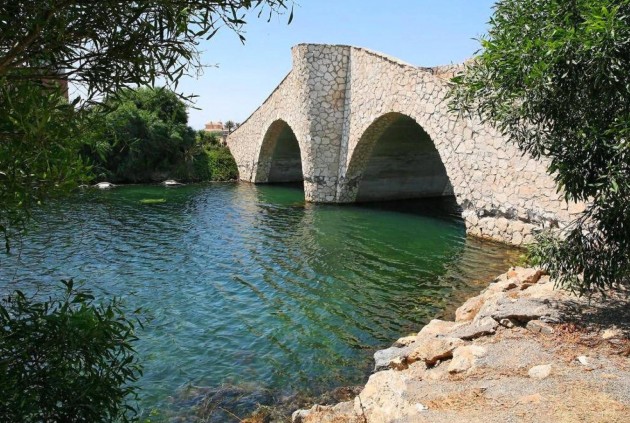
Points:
(356, 125)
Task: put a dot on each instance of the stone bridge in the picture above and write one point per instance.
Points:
(356, 125)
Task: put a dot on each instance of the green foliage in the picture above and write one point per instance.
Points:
(554, 75)
(108, 45)
(66, 359)
(213, 163)
(220, 163)
(39, 150)
(139, 133)
(142, 136)
(207, 139)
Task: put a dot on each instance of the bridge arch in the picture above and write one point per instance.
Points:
(280, 155)
(395, 158)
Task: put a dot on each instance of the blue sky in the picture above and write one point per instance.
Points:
(420, 32)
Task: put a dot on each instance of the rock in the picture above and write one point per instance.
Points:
(171, 183)
(433, 350)
(421, 407)
(520, 309)
(435, 328)
(398, 363)
(538, 326)
(299, 416)
(531, 276)
(439, 372)
(343, 411)
(501, 285)
(521, 275)
(540, 372)
(475, 329)
(583, 360)
(403, 342)
(104, 185)
(392, 356)
(507, 323)
(530, 399)
(542, 291)
(512, 273)
(464, 358)
(612, 333)
(469, 309)
(384, 398)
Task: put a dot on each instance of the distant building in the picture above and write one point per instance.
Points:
(214, 127)
(219, 129)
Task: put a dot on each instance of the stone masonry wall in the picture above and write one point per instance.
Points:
(338, 100)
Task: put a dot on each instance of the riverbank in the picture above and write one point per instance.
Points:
(519, 351)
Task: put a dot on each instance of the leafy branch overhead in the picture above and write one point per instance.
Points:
(108, 44)
(554, 76)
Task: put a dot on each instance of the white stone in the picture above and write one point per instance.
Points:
(540, 372)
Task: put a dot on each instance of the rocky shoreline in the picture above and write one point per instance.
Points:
(520, 351)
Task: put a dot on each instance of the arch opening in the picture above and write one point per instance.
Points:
(398, 160)
(280, 156)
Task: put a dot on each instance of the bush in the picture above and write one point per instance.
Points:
(66, 360)
(139, 134)
(554, 75)
(207, 139)
(209, 164)
(143, 136)
(222, 164)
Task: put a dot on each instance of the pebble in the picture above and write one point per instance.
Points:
(421, 407)
(540, 372)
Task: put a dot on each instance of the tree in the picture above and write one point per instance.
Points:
(554, 76)
(110, 44)
(100, 47)
(206, 139)
(138, 133)
(39, 146)
(230, 125)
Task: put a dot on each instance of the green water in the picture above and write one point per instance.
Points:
(250, 287)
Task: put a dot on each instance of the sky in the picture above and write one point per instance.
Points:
(419, 32)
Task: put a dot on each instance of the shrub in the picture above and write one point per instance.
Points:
(66, 359)
(554, 76)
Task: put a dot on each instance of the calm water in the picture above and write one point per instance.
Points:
(249, 286)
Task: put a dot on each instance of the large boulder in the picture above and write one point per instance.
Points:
(432, 350)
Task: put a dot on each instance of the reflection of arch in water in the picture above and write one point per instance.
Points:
(395, 158)
(280, 158)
